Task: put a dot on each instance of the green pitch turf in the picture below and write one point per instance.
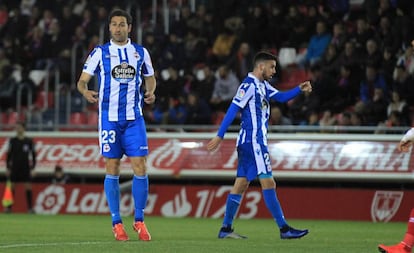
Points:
(72, 233)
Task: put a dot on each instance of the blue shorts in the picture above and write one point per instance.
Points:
(128, 137)
(253, 161)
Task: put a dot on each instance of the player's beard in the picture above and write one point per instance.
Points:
(121, 38)
(266, 77)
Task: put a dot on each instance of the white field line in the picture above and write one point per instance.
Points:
(23, 245)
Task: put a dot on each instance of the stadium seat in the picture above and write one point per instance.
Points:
(92, 119)
(44, 100)
(287, 56)
(78, 118)
(37, 76)
(292, 76)
(217, 117)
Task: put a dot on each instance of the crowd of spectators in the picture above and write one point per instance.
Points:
(358, 57)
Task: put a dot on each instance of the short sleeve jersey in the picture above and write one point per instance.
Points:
(119, 70)
(253, 96)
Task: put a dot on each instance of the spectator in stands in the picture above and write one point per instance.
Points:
(46, 22)
(171, 83)
(384, 10)
(59, 175)
(11, 52)
(361, 35)
(403, 84)
(345, 120)
(203, 83)
(223, 46)
(198, 111)
(347, 89)
(295, 29)
(4, 16)
(302, 106)
(373, 80)
(277, 117)
(324, 86)
(388, 64)
(256, 22)
(195, 48)
(4, 62)
(28, 89)
(375, 110)
(177, 112)
(373, 54)
(8, 89)
(224, 88)
(350, 57)
(317, 44)
(172, 111)
(241, 60)
(330, 61)
(172, 53)
(339, 36)
(407, 60)
(17, 26)
(197, 21)
(89, 23)
(392, 120)
(386, 36)
(328, 119)
(312, 119)
(397, 104)
(277, 33)
(180, 26)
(154, 46)
(68, 22)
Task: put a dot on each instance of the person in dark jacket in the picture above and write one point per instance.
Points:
(21, 161)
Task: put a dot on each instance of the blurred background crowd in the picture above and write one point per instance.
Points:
(357, 54)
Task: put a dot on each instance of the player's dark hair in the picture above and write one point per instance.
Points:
(120, 13)
(21, 123)
(263, 56)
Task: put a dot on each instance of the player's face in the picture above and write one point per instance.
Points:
(119, 29)
(269, 69)
(19, 129)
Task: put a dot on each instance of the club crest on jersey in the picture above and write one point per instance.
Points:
(124, 72)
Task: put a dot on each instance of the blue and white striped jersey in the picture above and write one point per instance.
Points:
(119, 70)
(253, 96)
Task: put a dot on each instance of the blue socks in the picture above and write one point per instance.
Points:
(111, 187)
(232, 204)
(272, 203)
(140, 195)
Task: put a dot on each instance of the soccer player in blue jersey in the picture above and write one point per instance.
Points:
(252, 100)
(120, 66)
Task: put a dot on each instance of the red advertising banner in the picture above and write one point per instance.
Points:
(188, 157)
(209, 202)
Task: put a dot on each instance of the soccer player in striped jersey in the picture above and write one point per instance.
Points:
(121, 66)
(406, 245)
(252, 100)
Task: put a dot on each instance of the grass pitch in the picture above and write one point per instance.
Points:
(75, 233)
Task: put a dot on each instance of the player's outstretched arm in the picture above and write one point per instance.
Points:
(406, 141)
